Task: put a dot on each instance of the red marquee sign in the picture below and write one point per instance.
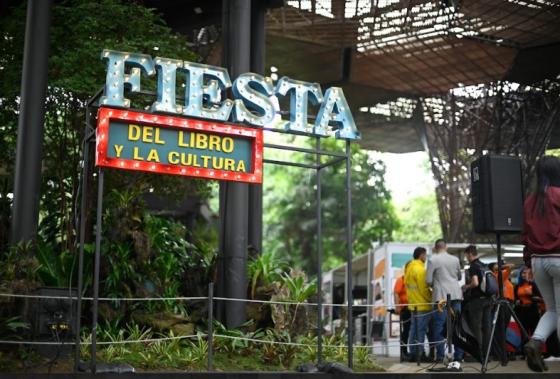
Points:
(179, 146)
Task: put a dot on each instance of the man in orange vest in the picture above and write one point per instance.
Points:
(399, 292)
(508, 286)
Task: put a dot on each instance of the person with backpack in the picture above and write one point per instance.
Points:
(478, 298)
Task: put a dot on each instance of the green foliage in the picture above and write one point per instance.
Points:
(277, 351)
(148, 255)
(158, 350)
(80, 30)
(233, 340)
(60, 269)
(281, 354)
(298, 288)
(12, 327)
(18, 271)
(265, 269)
(419, 220)
(290, 220)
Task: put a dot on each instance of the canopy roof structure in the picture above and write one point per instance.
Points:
(385, 53)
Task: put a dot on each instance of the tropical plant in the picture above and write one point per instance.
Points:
(60, 269)
(265, 269)
(230, 340)
(298, 288)
(12, 327)
(285, 349)
(293, 288)
(18, 274)
(362, 355)
(199, 349)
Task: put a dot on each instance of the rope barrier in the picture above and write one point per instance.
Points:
(105, 298)
(150, 340)
(277, 302)
(325, 346)
(123, 342)
(197, 298)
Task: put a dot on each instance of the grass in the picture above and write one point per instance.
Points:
(158, 358)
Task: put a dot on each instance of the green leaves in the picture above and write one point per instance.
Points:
(299, 289)
(265, 269)
(290, 204)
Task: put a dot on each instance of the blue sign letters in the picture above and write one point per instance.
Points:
(205, 89)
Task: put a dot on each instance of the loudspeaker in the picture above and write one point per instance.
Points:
(497, 194)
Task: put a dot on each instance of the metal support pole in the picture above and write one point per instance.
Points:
(258, 34)
(416, 337)
(319, 257)
(234, 202)
(449, 324)
(27, 178)
(83, 218)
(499, 254)
(369, 296)
(210, 326)
(349, 254)
(98, 232)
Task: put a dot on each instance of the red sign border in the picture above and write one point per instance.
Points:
(102, 138)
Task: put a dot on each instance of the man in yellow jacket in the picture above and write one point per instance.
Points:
(419, 302)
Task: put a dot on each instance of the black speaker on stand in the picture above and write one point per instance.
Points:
(497, 204)
(497, 194)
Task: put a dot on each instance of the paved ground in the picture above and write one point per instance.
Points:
(393, 365)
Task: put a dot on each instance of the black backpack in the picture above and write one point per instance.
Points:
(488, 284)
(464, 338)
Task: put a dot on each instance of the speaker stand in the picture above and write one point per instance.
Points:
(500, 301)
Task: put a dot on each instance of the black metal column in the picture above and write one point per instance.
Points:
(96, 268)
(234, 197)
(82, 226)
(27, 181)
(319, 239)
(258, 11)
(349, 255)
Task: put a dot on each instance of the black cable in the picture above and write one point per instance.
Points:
(427, 367)
(58, 349)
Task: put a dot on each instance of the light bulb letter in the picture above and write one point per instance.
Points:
(203, 93)
(335, 110)
(116, 78)
(300, 93)
(253, 104)
(166, 88)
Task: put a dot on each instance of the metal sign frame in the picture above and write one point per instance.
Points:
(334, 158)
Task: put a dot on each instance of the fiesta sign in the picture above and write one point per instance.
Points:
(205, 88)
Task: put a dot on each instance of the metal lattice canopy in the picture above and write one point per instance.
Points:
(388, 53)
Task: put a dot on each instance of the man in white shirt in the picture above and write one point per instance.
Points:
(443, 275)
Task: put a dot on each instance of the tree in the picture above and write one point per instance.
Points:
(289, 203)
(419, 220)
(80, 30)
